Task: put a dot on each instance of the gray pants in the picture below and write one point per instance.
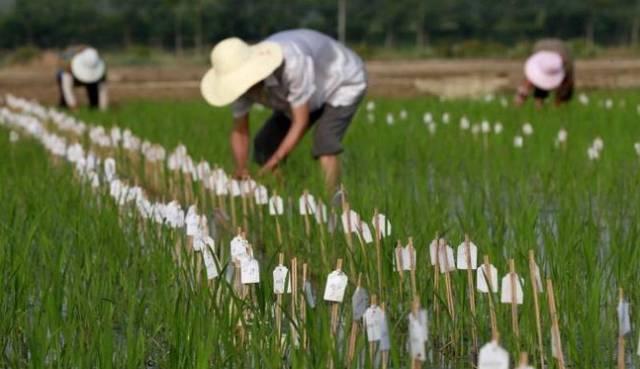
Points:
(331, 123)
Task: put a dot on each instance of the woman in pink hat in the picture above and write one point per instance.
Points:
(549, 68)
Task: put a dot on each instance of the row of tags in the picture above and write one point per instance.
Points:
(442, 255)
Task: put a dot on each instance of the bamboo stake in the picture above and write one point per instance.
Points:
(554, 324)
(245, 211)
(384, 355)
(354, 332)
(278, 229)
(399, 265)
(536, 305)
(447, 280)
(307, 224)
(378, 235)
(234, 219)
(472, 295)
(334, 306)
(303, 308)
(514, 302)
(621, 356)
(492, 311)
(412, 252)
(279, 305)
(293, 275)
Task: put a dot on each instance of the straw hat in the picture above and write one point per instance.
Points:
(87, 66)
(545, 70)
(235, 67)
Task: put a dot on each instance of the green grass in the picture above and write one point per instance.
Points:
(126, 300)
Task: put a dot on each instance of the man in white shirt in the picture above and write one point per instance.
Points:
(306, 77)
(83, 67)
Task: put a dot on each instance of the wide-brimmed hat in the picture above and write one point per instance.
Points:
(545, 70)
(87, 66)
(235, 67)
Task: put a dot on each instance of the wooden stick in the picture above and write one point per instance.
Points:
(277, 216)
(412, 252)
(307, 224)
(303, 308)
(245, 211)
(536, 305)
(384, 355)
(447, 281)
(378, 237)
(234, 219)
(293, 275)
(354, 332)
(621, 361)
(472, 295)
(415, 310)
(555, 329)
(524, 360)
(279, 306)
(372, 345)
(492, 311)
(399, 265)
(514, 302)
(436, 285)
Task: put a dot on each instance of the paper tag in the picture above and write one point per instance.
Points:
(381, 223)
(235, 188)
(309, 295)
(336, 286)
(418, 334)
(447, 260)
(239, 249)
(506, 295)
(385, 339)
(321, 213)
(280, 278)
(373, 323)
(481, 282)
(261, 195)
(350, 221)
(359, 303)
(247, 186)
(624, 322)
(222, 186)
(366, 233)
(276, 205)
(492, 356)
(210, 264)
(408, 257)
(537, 279)
(307, 205)
(463, 257)
(250, 271)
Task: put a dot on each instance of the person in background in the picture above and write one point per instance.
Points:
(548, 69)
(305, 77)
(83, 67)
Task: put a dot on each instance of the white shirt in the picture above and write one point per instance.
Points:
(70, 97)
(316, 69)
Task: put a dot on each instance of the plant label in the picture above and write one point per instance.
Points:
(418, 334)
(309, 295)
(261, 195)
(222, 186)
(359, 302)
(307, 204)
(336, 286)
(350, 221)
(385, 339)
(276, 205)
(506, 297)
(250, 271)
(492, 356)
(239, 249)
(280, 279)
(447, 260)
(321, 213)
(408, 257)
(383, 225)
(235, 188)
(467, 253)
(624, 322)
(210, 264)
(366, 233)
(373, 323)
(483, 284)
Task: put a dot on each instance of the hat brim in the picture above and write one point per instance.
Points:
(221, 90)
(87, 75)
(539, 78)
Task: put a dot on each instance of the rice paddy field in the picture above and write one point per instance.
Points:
(121, 248)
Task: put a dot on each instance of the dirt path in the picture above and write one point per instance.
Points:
(401, 78)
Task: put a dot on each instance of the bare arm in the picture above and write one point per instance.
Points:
(240, 144)
(299, 123)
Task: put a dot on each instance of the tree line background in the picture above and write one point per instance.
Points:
(196, 24)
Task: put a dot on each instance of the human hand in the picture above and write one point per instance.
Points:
(241, 173)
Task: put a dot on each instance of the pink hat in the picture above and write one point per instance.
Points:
(545, 70)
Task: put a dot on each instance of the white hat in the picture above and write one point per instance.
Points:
(87, 66)
(235, 67)
(545, 70)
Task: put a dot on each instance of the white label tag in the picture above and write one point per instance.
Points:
(447, 260)
(222, 186)
(307, 205)
(481, 282)
(280, 278)
(261, 195)
(239, 249)
(492, 356)
(506, 295)
(385, 339)
(359, 303)
(472, 251)
(276, 205)
(408, 255)
(321, 213)
(350, 221)
(381, 223)
(373, 323)
(210, 264)
(250, 271)
(418, 333)
(624, 322)
(235, 188)
(336, 286)
(366, 233)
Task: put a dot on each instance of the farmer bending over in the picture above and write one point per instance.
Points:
(305, 77)
(82, 67)
(549, 68)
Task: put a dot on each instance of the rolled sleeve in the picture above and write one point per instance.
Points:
(241, 107)
(299, 75)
